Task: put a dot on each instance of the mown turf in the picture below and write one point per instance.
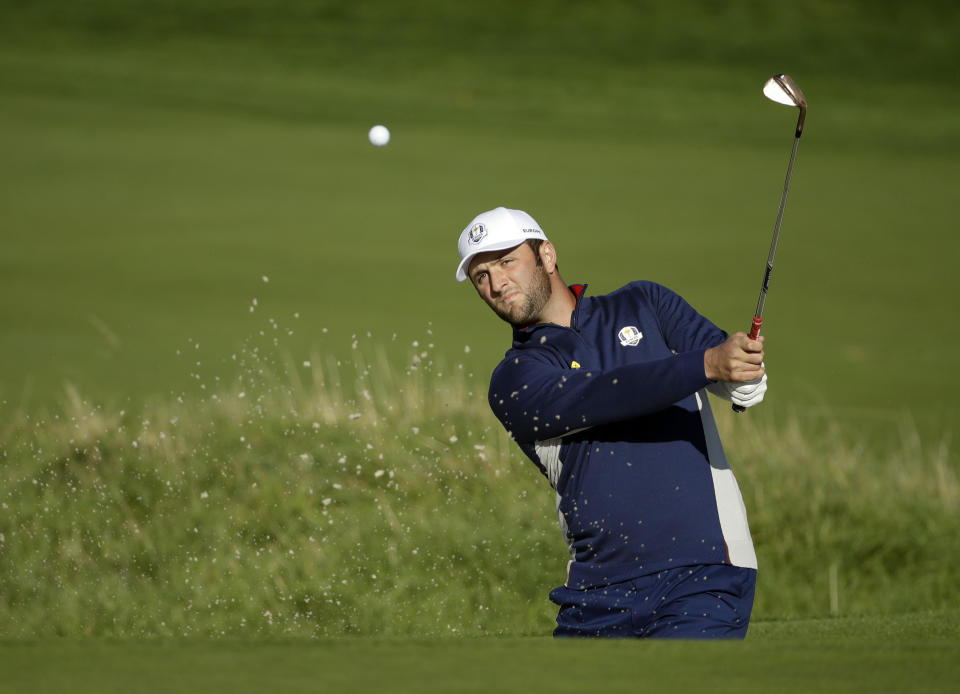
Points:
(161, 158)
(893, 654)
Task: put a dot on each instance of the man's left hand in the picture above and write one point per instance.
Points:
(743, 394)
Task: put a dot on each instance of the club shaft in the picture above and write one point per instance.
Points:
(765, 285)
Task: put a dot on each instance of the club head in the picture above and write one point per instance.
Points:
(783, 90)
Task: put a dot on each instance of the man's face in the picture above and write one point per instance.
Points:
(513, 282)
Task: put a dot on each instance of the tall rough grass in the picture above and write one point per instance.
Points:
(843, 526)
(374, 499)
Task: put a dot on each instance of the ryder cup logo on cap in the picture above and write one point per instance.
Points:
(477, 232)
(495, 230)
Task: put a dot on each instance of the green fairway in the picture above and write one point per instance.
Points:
(907, 653)
(153, 179)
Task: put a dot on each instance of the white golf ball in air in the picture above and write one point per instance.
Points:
(379, 135)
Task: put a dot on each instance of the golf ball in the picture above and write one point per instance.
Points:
(379, 135)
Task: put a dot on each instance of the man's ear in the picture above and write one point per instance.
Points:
(548, 256)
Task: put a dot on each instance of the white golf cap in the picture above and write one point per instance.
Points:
(494, 231)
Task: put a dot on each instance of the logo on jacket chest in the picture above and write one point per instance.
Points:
(630, 336)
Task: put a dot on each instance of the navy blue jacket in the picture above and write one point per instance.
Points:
(613, 411)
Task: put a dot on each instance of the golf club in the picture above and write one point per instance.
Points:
(783, 90)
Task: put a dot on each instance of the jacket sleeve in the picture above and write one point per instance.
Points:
(536, 400)
(683, 328)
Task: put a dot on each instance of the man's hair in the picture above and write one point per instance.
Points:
(535, 247)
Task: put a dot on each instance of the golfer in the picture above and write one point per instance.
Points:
(607, 395)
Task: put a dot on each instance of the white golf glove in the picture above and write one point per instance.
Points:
(743, 394)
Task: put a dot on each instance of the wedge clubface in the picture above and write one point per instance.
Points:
(783, 90)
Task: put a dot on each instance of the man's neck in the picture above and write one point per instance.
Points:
(561, 304)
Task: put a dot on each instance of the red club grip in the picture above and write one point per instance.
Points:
(754, 334)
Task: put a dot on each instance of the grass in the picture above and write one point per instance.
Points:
(910, 653)
(350, 498)
(276, 507)
(163, 157)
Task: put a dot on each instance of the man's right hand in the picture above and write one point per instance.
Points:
(737, 360)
